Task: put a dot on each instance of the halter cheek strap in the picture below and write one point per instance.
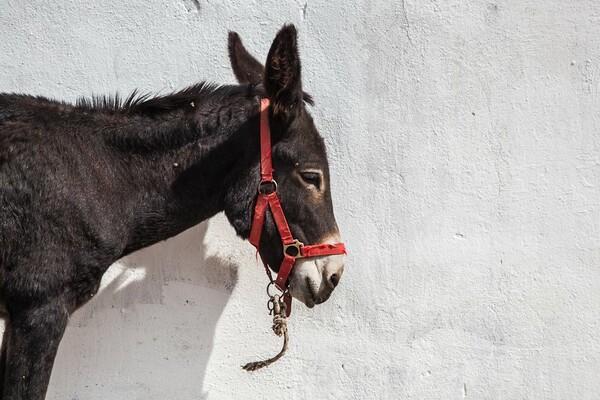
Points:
(268, 199)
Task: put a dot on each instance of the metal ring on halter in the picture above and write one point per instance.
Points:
(271, 306)
(272, 283)
(260, 186)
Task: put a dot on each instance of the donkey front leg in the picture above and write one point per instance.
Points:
(34, 335)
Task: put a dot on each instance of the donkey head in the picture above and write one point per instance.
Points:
(301, 168)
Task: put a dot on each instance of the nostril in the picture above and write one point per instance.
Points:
(334, 279)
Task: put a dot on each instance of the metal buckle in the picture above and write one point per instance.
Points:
(267, 190)
(293, 249)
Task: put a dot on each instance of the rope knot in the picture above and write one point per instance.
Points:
(279, 325)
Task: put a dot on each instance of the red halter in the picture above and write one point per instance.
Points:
(267, 197)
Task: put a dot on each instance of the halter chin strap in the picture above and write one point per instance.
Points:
(267, 198)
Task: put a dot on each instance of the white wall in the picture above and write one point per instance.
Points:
(465, 153)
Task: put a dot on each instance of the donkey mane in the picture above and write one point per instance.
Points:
(146, 104)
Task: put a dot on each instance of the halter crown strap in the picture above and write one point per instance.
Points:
(266, 155)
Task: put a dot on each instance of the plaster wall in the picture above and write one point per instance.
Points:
(465, 153)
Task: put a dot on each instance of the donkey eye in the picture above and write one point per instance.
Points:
(311, 178)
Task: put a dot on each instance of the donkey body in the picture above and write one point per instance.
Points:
(84, 185)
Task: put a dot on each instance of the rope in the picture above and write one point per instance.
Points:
(280, 328)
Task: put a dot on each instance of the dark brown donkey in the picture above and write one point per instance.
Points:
(84, 185)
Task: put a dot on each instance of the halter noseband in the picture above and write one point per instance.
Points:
(267, 198)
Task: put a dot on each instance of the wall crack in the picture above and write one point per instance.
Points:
(405, 23)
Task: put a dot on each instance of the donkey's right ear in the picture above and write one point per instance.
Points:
(245, 67)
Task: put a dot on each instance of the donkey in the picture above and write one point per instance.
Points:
(83, 185)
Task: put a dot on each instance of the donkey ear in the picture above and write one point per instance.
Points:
(245, 67)
(282, 77)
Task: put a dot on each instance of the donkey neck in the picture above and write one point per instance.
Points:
(181, 163)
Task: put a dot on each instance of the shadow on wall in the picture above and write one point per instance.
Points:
(149, 331)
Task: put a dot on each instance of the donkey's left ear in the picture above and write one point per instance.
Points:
(282, 76)
(245, 67)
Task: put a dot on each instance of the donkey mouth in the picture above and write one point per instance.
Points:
(314, 298)
(308, 291)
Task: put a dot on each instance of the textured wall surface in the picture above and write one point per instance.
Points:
(465, 152)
